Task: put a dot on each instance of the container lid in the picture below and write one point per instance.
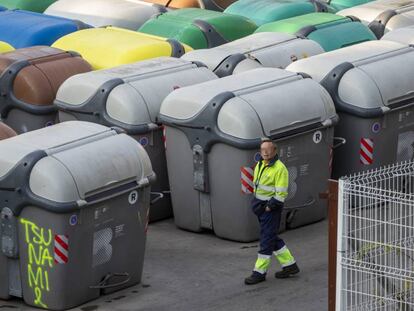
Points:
(81, 159)
(138, 89)
(199, 28)
(384, 15)
(403, 35)
(23, 28)
(294, 24)
(129, 14)
(5, 47)
(111, 46)
(262, 102)
(403, 18)
(341, 34)
(271, 49)
(178, 4)
(6, 131)
(188, 15)
(369, 77)
(331, 31)
(369, 11)
(39, 71)
(338, 5)
(217, 5)
(28, 5)
(266, 11)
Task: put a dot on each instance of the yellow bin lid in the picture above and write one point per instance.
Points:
(5, 47)
(109, 47)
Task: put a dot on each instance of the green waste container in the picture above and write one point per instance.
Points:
(267, 11)
(331, 31)
(30, 5)
(338, 5)
(199, 28)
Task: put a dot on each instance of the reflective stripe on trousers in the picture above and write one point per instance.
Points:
(284, 257)
(262, 263)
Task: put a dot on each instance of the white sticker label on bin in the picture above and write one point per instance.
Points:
(119, 230)
(317, 137)
(133, 197)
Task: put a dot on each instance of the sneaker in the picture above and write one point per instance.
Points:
(255, 278)
(287, 271)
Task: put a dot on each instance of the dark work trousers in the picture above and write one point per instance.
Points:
(269, 227)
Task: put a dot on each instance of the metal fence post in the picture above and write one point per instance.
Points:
(333, 223)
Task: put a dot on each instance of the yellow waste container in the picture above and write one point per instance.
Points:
(5, 47)
(111, 46)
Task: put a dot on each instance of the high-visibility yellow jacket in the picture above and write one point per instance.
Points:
(271, 182)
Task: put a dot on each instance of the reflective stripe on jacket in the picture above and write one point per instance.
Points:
(271, 180)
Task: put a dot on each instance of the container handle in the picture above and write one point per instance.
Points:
(308, 203)
(117, 191)
(157, 196)
(293, 209)
(111, 193)
(401, 102)
(104, 283)
(342, 141)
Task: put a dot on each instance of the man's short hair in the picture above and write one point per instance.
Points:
(267, 140)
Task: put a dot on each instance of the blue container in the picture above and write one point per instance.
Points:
(23, 28)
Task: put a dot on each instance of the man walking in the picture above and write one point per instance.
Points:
(271, 181)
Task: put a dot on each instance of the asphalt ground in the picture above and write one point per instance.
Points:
(193, 271)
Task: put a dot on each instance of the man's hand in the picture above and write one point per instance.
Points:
(267, 209)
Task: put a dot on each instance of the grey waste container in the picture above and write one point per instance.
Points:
(129, 14)
(268, 49)
(383, 15)
(403, 35)
(130, 97)
(213, 131)
(75, 198)
(372, 87)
